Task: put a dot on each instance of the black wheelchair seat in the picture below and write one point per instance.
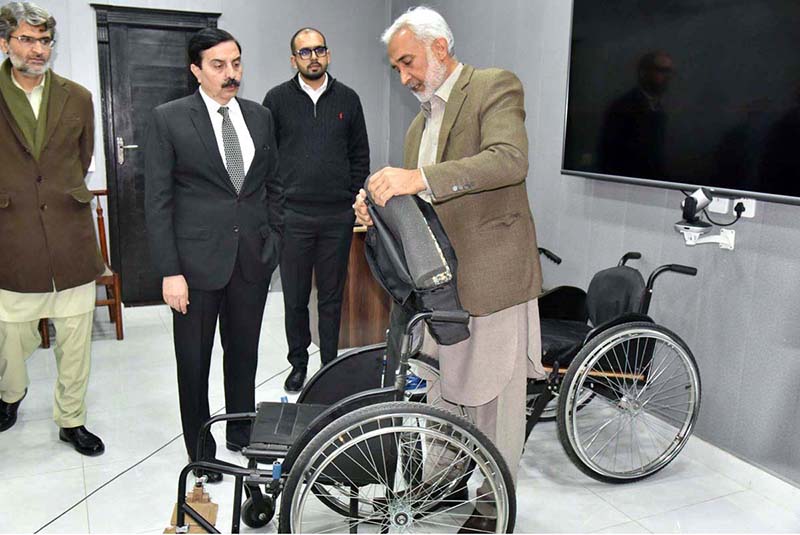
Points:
(561, 340)
(568, 314)
(280, 424)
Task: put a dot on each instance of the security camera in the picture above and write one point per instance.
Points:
(692, 206)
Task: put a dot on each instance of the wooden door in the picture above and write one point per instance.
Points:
(143, 63)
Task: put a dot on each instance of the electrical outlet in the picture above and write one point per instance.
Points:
(719, 205)
(749, 207)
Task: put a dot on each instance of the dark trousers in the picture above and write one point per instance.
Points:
(318, 244)
(240, 308)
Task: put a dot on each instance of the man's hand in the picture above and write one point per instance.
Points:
(176, 292)
(391, 181)
(360, 208)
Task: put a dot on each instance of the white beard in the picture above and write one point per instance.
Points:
(434, 78)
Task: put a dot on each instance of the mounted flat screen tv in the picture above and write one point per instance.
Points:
(687, 93)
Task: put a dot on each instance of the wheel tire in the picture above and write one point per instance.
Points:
(622, 396)
(258, 518)
(381, 421)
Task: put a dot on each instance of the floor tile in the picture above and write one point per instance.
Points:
(647, 498)
(567, 510)
(743, 512)
(32, 449)
(28, 503)
(627, 527)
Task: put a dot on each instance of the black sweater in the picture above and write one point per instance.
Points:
(323, 149)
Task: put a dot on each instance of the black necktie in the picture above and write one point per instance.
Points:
(233, 152)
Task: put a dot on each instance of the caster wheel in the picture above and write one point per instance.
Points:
(258, 517)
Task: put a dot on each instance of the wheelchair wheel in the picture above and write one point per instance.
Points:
(397, 466)
(257, 518)
(646, 397)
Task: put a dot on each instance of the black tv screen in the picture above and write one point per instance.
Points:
(687, 93)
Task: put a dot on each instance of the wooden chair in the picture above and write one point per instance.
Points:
(109, 279)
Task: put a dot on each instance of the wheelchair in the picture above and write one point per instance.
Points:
(358, 452)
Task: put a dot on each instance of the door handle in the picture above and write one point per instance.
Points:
(121, 146)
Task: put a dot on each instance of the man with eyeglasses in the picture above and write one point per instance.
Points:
(324, 160)
(47, 238)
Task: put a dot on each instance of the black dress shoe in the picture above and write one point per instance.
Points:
(8, 412)
(82, 440)
(211, 477)
(478, 523)
(294, 383)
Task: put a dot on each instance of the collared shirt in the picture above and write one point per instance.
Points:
(310, 91)
(242, 132)
(34, 96)
(434, 114)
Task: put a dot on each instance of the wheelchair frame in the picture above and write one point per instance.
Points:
(337, 421)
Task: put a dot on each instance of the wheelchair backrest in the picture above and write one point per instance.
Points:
(613, 292)
(412, 258)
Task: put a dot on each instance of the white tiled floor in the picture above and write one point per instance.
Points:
(133, 406)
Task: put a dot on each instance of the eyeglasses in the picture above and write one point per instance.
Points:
(305, 53)
(28, 41)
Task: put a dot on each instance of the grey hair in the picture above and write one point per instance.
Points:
(13, 13)
(425, 23)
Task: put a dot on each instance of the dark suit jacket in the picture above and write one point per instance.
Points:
(196, 223)
(46, 226)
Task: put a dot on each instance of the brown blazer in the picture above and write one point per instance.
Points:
(478, 183)
(46, 228)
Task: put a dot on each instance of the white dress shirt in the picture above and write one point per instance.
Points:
(433, 110)
(310, 91)
(242, 132)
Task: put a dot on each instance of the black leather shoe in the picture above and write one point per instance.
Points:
(82, 440)
(294, 383)
(211, 477)
(478, 523)
(8, 413)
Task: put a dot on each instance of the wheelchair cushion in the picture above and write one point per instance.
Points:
(561, 340)
(613, 292)
(412, 258)
(281, 424)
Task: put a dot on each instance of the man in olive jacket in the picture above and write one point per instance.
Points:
(50, 256)
(466, 152)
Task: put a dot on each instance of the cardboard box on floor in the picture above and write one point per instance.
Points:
(201, 502)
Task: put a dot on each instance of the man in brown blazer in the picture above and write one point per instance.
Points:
(49, 251)
(466, 152)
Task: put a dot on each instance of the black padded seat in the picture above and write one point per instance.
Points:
(281, 424)
(561, 340)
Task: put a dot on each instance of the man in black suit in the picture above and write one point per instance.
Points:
(214, 210)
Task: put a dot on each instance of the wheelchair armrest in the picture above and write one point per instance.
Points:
(563, 303)
(625, 318)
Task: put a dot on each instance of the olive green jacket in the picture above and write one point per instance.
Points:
(478, 184)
